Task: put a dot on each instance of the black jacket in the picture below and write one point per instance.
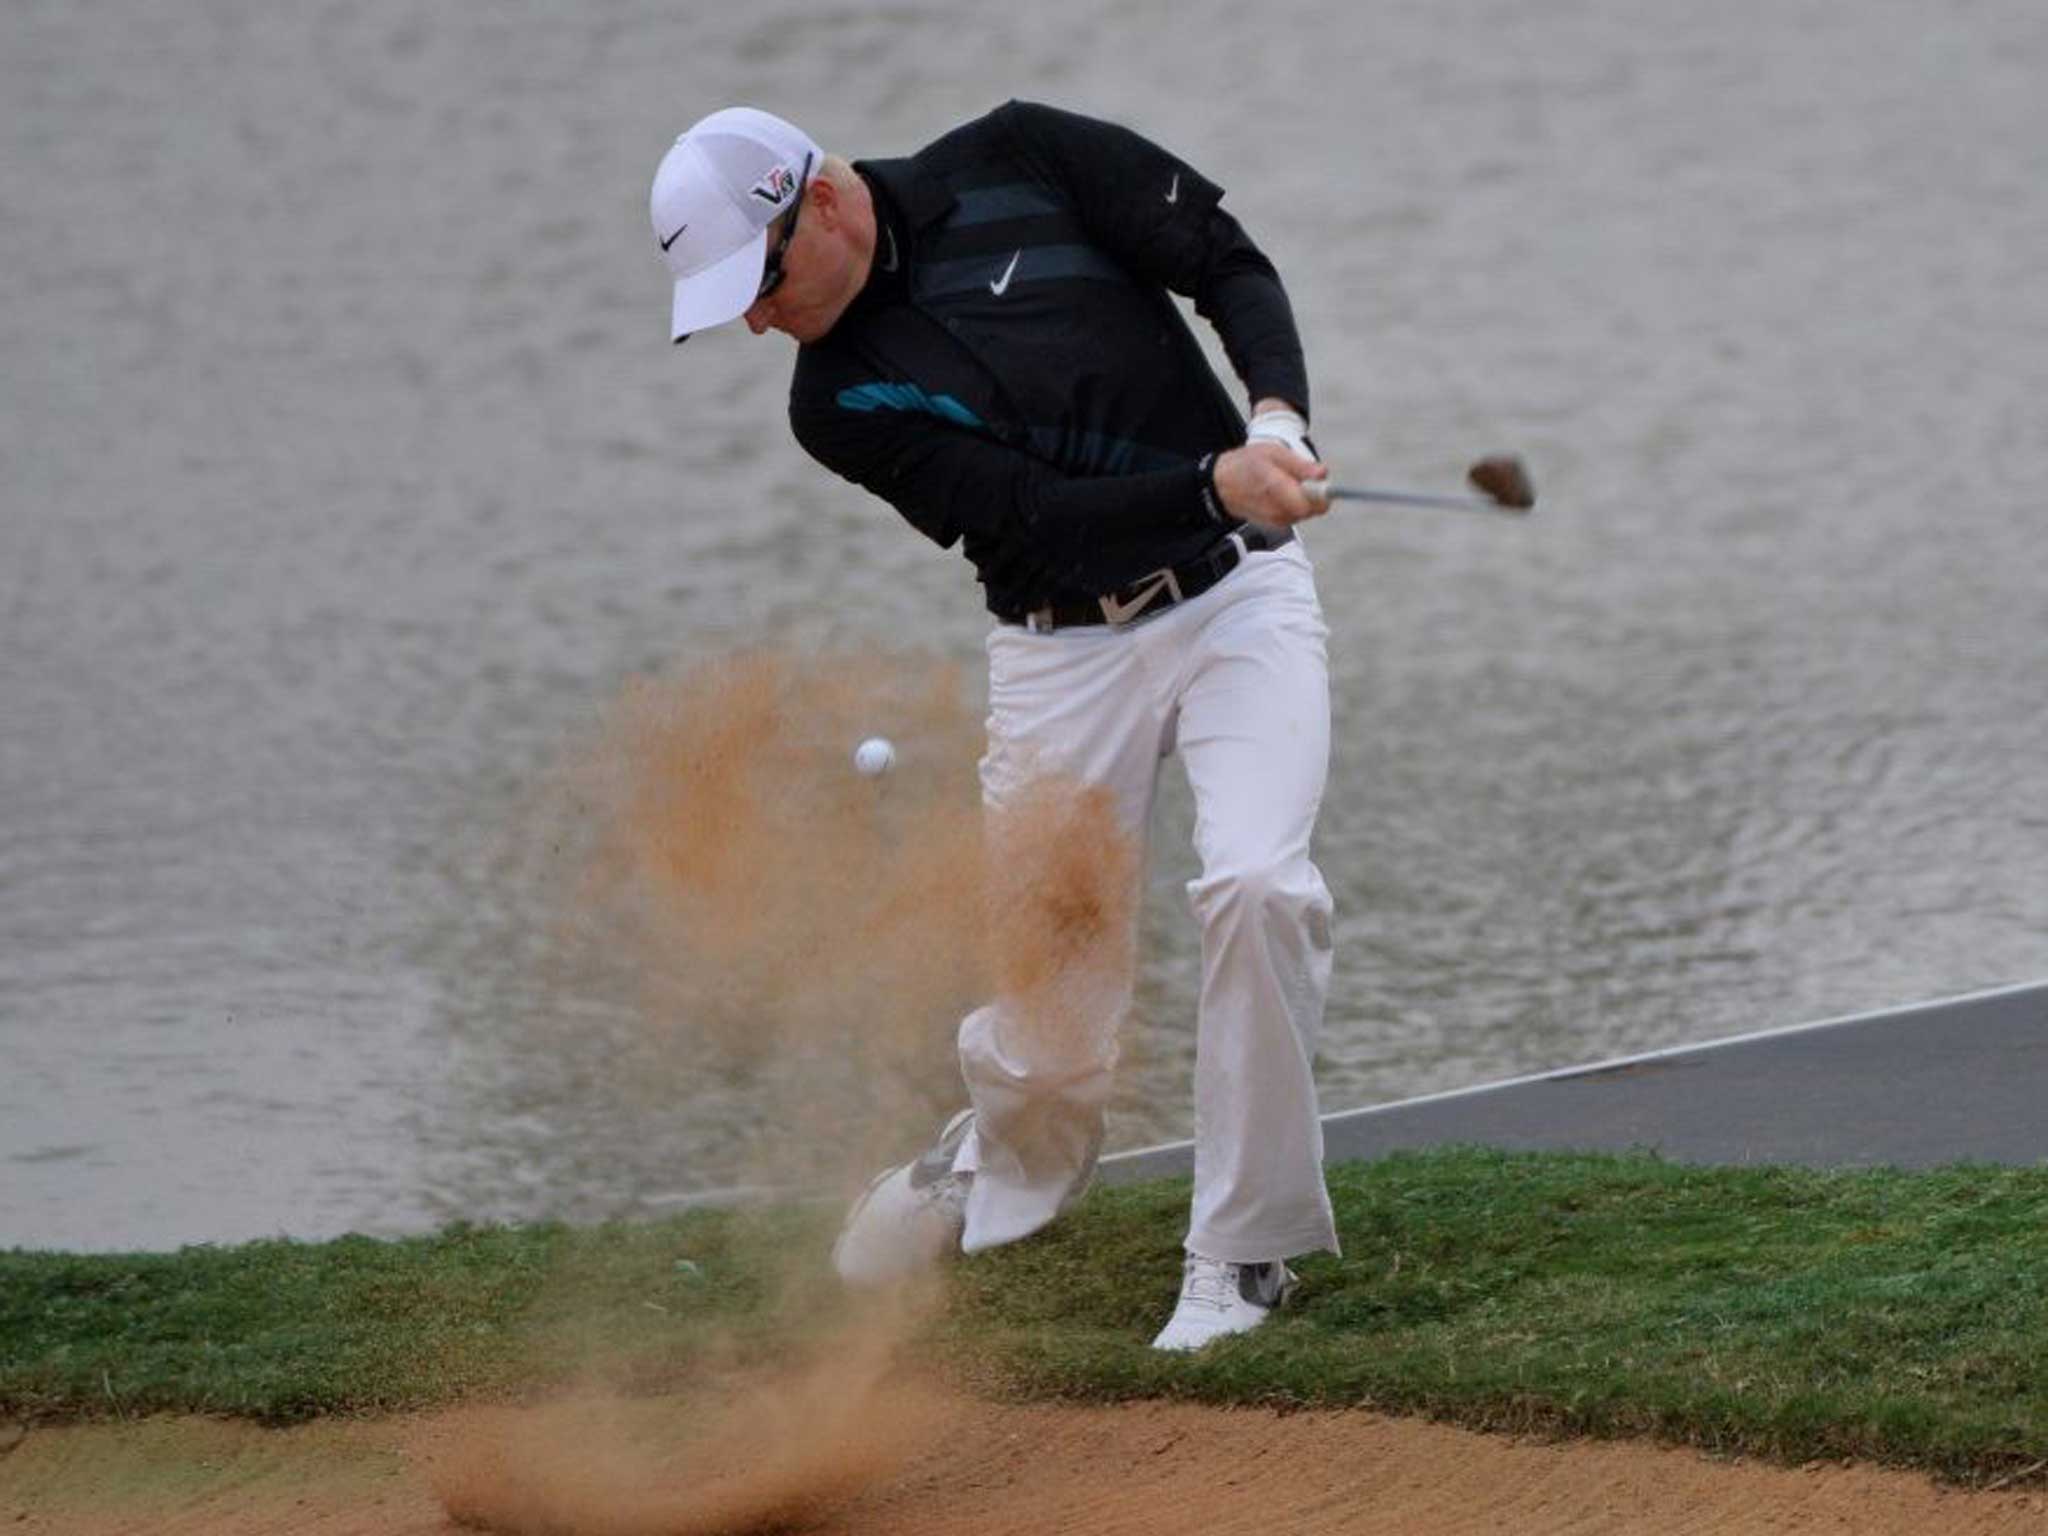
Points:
(1014, 375)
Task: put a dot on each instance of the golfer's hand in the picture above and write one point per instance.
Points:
(1263, 482)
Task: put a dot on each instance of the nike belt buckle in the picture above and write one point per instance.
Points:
(1117, 611)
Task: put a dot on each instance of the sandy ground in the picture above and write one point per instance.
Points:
(977, 1466)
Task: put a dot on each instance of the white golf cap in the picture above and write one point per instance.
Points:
(715, 193)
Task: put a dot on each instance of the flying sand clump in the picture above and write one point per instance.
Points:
(793, 925)
(825, 930)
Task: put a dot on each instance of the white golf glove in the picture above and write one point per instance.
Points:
(1290, 430)
(1286, 428)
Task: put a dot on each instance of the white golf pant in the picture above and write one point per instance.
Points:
(1236, 680)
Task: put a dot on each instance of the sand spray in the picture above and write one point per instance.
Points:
(815, 934)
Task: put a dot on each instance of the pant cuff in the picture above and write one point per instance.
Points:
(1259, 1249)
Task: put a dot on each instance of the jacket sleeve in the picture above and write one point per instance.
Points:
(954, 482)
(1164, 220)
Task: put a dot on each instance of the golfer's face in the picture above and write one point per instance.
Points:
(793, 296)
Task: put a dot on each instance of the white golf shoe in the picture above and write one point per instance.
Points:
(909, 1217)
(1219, 1298)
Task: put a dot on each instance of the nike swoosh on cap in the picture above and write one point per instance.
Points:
(1001, 285)
(672, 239)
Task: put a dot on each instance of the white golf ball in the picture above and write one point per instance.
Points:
(875, 756)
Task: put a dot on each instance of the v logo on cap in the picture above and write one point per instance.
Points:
(776, 187)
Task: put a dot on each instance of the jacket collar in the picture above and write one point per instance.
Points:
(922, 197)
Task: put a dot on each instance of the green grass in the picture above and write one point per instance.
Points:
(1895, 1317)
(284, 1331)
(1795, 1314)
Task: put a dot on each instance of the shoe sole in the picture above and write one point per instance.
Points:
(860, 1204)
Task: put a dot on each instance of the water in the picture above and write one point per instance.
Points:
(348, 473)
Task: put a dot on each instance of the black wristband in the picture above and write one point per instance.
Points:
(1212, 499)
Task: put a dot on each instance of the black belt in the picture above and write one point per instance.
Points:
(1162, 588)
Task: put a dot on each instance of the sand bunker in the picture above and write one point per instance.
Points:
(991, 1469)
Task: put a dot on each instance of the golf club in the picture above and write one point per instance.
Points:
(1503, 479)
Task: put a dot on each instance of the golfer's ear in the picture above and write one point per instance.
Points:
(824, 198)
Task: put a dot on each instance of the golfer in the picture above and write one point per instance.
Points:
(987, 341)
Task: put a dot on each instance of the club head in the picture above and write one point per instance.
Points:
(1503, 480)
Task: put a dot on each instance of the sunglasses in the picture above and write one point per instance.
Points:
(771, 271)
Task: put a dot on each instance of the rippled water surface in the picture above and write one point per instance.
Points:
(348, 474)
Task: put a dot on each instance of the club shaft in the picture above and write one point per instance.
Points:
(1418, 499)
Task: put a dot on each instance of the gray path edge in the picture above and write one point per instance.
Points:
(1959, 1079)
